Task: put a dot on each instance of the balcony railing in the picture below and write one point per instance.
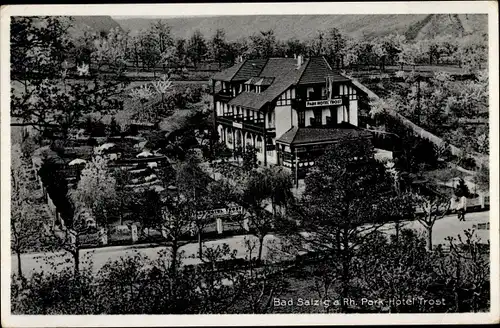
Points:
(246, 122)
(223, 95)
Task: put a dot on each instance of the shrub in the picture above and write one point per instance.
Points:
(467, 163)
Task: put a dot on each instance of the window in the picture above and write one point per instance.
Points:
(317, 116)
(336, 90)
(310, 93)
(301, 116)
(333, 115)
(270, 119)
(285, 99)
(258, 144)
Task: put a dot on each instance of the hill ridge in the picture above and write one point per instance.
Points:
(303, 27)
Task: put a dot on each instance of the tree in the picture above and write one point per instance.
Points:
(410, 52)
(152, 218)
(397, 269)
(462, 189)
(263, 191)
(26, 226)
(336, 46)
(466, 273)
(472, 53)
(352, 52)
(192, 183)
(96, 188)
(249, 156)
(144, 95)
(295, 47)
(135, 50)
(431, 206)
(84, 46)
(110, 52)
(348, 197)
(181, 53)
(197, 48)
(149, 51)
(263, 44)
(163, 40)
(114, 128)
(387, 49)
(482, 177)
(317, 44)
(161, 86)
(39, 46)
(404, 208)
(49, 96)
(219, 47)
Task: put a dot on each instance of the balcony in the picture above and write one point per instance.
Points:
(238, 121)
(223, 95)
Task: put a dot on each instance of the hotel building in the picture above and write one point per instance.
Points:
(289, 109)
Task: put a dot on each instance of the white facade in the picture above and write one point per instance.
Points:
(279, 118)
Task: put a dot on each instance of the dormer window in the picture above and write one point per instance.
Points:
(258, 84)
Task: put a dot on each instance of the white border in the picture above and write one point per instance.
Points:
(490, 7)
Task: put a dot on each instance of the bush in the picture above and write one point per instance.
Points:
(467, 163)
(95, 128)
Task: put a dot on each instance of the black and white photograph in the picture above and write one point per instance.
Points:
(249, 159)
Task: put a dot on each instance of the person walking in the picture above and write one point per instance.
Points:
(461, 208)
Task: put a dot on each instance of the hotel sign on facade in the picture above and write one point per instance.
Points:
(327, 102)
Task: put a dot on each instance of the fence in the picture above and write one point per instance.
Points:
(122, 234)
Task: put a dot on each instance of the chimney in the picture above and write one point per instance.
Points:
(299, 61)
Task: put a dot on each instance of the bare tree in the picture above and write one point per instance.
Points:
(431, 206)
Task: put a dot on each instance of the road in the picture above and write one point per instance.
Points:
(448, 226)
(36, 262)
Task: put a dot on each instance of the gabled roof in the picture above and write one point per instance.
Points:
(317, 70)
(278, 66)
(279, 74)
(227, 74)
(285, 73)
(249, 69)
(302, 136)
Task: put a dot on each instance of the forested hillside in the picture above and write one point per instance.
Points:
(95, 23)
(304, 27)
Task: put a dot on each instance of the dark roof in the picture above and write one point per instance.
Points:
(317, 69)
(284, 73)
(228, 73)
(249, 100)
(278, 66)
(250, 68)
(299, 136)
